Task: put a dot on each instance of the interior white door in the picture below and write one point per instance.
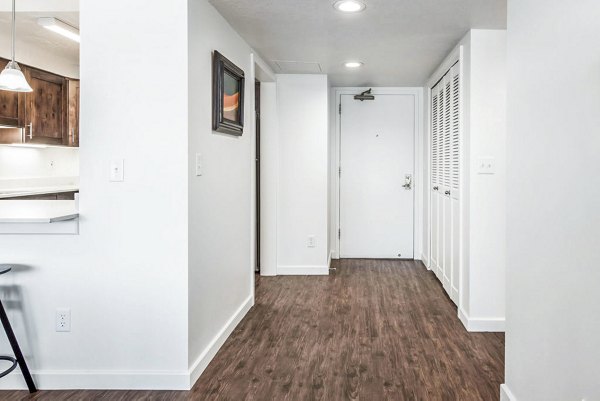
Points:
(377, 177)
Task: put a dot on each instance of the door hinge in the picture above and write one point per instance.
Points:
(340, 109)
(339, 233)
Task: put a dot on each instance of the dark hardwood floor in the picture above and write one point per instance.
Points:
(372, 330)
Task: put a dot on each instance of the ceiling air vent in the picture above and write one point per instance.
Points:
(297, 67)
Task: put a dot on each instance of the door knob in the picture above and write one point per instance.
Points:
(407, 182)
(436, 188)
(447, 192)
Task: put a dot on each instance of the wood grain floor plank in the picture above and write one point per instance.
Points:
(372, 330)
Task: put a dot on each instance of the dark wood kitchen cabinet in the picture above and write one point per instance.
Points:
(48, 115)
(12, 105)
(72, 133)
(46, 109)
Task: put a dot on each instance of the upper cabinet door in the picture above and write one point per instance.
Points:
(72, 138)
(46, 120)
(12, 105)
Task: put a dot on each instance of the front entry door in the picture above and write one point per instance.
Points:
(377, 177)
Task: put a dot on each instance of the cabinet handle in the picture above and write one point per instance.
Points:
(30, 125)
(447, 192)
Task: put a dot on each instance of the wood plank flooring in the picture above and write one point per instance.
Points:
(373, 330)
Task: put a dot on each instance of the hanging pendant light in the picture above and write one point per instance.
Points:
(12, 78)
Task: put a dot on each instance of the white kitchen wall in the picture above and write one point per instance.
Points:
(21, 162)
(36, 53)
(553, 297)
(482, 293)
(125, 275)
(303, 166)
(221, 200)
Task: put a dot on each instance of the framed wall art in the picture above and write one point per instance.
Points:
(228, 96)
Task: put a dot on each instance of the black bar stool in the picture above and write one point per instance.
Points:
(19, 358)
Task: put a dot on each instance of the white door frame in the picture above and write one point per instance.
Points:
(336, 94)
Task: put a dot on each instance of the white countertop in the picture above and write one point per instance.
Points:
(37, 211)
(7, 193)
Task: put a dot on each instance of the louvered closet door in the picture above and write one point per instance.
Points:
(455, 164)
(435, 180)
(445, 187)
(445, 181)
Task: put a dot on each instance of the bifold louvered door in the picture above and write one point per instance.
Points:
(445, 181)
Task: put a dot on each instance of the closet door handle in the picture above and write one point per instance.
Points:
(436, 188)
(447, 192)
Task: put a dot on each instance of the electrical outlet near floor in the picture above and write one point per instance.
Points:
(63, 319)
(311, 242)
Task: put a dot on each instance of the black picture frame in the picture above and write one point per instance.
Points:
(222, 66)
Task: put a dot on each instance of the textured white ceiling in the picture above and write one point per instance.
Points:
(401, 42)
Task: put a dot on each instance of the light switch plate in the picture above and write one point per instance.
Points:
(199, 164)
(116, 171)
(486, 165)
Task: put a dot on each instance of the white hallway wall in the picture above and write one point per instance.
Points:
(303, 167)
(125, 276)
(553, 310)
(221, 200)
(482, 302)
(269, 173)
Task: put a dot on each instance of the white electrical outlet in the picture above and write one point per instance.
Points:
(311, 242)
(63, 319)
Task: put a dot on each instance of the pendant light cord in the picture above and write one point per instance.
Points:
(14, 23)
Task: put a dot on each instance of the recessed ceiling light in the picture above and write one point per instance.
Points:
(353, 64)
(349, 6)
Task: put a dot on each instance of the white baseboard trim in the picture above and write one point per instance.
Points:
(329, 260)
(425, 261)
(99, 380)
(211, 350)
(334, 254)
(477, 325)
(128, 380)
(302, 270)
(506, 394)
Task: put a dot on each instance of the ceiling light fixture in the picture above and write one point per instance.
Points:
(60, 27)
(11, 78)
(349, 6)
(353, 64)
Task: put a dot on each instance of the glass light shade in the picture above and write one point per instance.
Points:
(12, 79)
